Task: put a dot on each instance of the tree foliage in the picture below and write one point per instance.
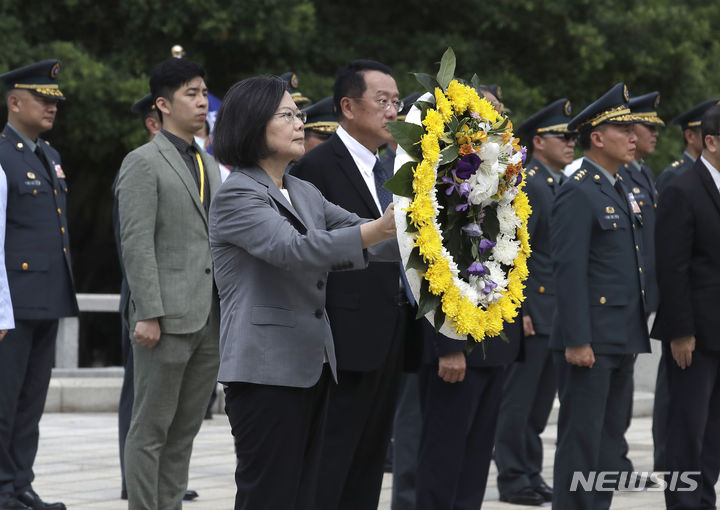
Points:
(538, 50)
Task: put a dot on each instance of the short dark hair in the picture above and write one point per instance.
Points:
(350, 80)
(242, 120)
(171, 74)
(584, 138)
(710, 124)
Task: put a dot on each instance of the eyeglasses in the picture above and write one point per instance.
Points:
(569, 137)
(290, 116)
(385, 104)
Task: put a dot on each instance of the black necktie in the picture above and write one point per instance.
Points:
(384, 195)
(41, 156)
(618, 187)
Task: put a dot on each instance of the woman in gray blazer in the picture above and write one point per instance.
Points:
(274, 238)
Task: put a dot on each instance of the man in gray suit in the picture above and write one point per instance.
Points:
(163, 192)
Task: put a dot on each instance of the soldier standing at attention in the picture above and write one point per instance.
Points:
(37, 257)
(529, 387)
(689, 122)
(599, 325)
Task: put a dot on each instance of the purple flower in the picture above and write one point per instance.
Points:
(462, 188)
(462, 207)
(468, 165)
(472, 230)
(484, 245)
(477, 269)
(523, 151)
(489, 286)
(519, 178)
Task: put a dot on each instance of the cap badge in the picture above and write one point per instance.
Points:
(55, 70)
(568, 108)
(294, 81)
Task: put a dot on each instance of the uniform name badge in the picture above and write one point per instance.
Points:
(633, 204)
(59, 172)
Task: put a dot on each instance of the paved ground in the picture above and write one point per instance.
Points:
(78, 464)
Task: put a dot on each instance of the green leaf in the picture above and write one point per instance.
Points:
(427, 81)
(504, 337)
(401, 183)
(491, 225)
(428, 301)
(447, 68)
(475, 82)
(439, 318)
(416, 261)
(474, 250)
(409, 228)
(449, 154)
(407, 136)
(470, 345)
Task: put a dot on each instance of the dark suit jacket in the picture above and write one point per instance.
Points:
(540, 287)
(362, 305)
(687, 236)
(37, 245)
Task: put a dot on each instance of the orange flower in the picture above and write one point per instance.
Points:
(466, 149)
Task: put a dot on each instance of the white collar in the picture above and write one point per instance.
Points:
(364, 159)
(713, 171)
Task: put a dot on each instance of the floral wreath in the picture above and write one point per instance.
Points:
(461, 214)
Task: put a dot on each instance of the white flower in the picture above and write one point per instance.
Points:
(489, 153)
(496, 274)
(516, 158)
(506, 250)
(482, 186)
(508, 196)
(508, 220)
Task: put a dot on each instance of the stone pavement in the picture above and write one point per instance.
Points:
(77, 463)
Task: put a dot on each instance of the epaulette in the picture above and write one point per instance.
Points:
(531, 172)
(580, 174)
(620, 177)
(46, 142)
(677, 163)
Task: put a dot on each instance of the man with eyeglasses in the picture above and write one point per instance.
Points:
(368, 309)
(688, 256)
(529, 387)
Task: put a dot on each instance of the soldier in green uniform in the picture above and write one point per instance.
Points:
(599, 325)
(39, 270)
(689, 122)
(292, 80)
(529, 387)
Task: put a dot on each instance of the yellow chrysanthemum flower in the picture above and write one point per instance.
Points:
(459, 95)
(451, 301)
(485, 109)
(434, 123)
(443, 105)
(430, 243)
(430, 148)
(493, 322)
(439, 276)
(421, 210)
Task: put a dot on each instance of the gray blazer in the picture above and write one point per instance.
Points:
(164, 237)
(271, 264)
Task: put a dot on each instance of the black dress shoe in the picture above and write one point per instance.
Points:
(545, 491)
(31, 499)
(123, 493)
(190, 495)
(10, 502)
(526, 496)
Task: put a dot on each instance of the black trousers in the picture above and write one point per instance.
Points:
(693, 430)
(457, 438)
(528, 394)
(407, 427)
(278, 433)
(27, 355)
(591, 424)
(357, 433)
(661, 404)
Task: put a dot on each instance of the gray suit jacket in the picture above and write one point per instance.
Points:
(271, 264)
(164, 237)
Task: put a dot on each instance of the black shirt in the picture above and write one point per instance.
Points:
(187, 153)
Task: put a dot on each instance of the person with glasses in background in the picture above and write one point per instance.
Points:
(368, 309)
(274, 239)
(529, 387)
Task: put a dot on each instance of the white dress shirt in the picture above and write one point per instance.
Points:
(6, 311)
(364, 160)
(713, 172)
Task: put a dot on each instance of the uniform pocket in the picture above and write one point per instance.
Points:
(273, 315)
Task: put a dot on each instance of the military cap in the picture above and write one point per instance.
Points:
(292, 81)
(144, 106)
(692, 117)
(553, 118)
(496, 91)
(39, 78)
(643, 109)
(611, 108)
(407, 104)
(321, 117)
